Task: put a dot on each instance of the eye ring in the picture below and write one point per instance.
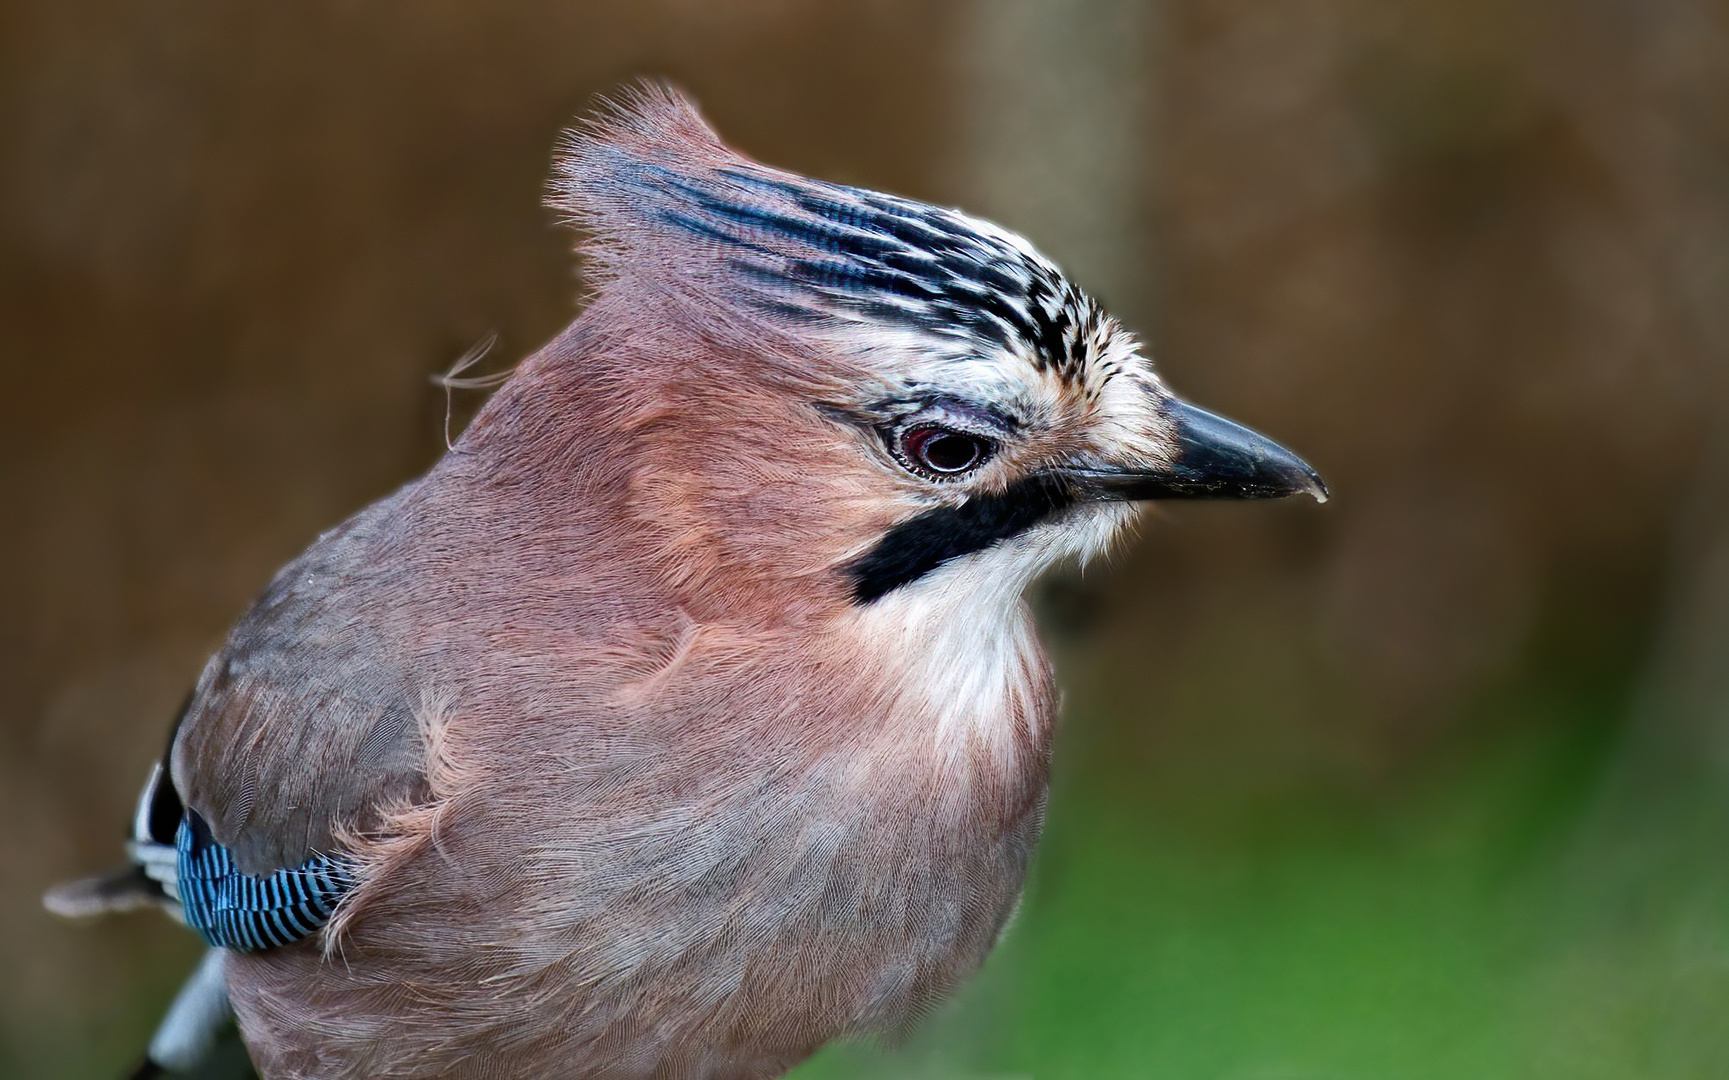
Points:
(942, 453)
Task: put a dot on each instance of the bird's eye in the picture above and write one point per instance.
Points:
(943, 452)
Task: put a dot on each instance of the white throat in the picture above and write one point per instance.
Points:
(962, 638)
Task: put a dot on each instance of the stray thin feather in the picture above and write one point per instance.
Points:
(452, 379)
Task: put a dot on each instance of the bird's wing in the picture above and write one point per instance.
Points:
(300, 728)
(304, 725)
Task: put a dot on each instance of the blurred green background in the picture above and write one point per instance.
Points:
(1430, 782)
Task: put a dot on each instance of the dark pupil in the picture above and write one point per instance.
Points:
(949, 453)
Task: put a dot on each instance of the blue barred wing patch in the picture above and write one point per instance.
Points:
(247, 913)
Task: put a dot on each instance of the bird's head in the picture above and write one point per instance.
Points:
(872, 395)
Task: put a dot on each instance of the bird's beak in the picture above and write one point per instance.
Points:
(1215, 459)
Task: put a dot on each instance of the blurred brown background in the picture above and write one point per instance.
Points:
(1430, 782)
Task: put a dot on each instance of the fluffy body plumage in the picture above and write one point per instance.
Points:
(687, 714)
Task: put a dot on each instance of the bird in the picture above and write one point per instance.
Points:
(688, 714)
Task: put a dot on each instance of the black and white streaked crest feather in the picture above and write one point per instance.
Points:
(811, 251)
(816, 248)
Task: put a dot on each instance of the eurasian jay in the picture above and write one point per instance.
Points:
(687, 714)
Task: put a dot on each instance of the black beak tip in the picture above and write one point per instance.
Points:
(1286, 474)
(1223, 459)
(1220, 459)
(1318, 487)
